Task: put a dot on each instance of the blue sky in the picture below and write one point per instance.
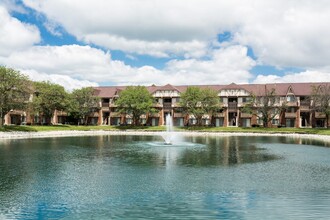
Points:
(122, 42)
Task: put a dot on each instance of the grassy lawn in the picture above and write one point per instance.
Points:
(321, 131)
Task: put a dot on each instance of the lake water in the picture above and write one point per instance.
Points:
(137, 177)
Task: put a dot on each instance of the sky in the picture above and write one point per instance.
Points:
(79, 43)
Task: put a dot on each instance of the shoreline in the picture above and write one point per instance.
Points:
(73, 133)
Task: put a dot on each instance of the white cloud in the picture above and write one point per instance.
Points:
(13, 6)
(225, 66)
(306, 76)
(157, 28)
(80, 62)
(67, 82)
(282, 33)
(162, 48)
(74, 66)
(287, 33)
(15, 35)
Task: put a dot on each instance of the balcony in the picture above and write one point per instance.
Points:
(178, 115)
(304, 108)
(219, 115)
(167, 105)
(319, 115)
(305, 103)
(157, 105)
(105, 104)
(232, 106)
(154, 115)
(291, 104)
(115, 114)
(246, 115)
(290, 114)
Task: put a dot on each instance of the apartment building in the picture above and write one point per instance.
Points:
(233, 97)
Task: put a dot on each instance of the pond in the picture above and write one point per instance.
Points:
(132, 177)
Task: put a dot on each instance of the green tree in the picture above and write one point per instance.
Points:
(83, 103)
(265, 106)
(15, 90)
(321, 100)
(199, 102)
(136, 101)
(48, 98)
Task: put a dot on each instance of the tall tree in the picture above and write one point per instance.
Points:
(82, 103)
(136, 101)
(48, 98)
(265, 106)
(15, 90)
(321, 100)
(199, 102)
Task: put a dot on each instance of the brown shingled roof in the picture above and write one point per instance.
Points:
(299, 89)
(108, 91)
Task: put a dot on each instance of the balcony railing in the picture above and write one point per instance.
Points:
(105, 104)
(304, 108)
(154, 115)
(319, 115)
(290, 114)
(305, 103)
(178, 115)
(232, 106)
(292, 103)
(115, 114)
(157, 105)
(246, 115)
(167, 105)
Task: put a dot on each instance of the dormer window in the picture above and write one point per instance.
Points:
(290, 98)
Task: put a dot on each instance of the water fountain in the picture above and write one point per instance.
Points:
(168, 136)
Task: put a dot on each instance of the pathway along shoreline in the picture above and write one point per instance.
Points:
(48, 134)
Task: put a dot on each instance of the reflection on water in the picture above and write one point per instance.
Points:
(104, 177)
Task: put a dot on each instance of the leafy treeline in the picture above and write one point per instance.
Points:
(18, 92)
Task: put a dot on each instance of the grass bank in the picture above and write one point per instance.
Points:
(319, 131)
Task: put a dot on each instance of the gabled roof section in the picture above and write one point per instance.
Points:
(290, 90)
(107, 91)
(118, 90)
(233, 86)
(167, 87)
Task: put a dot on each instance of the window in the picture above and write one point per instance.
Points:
(292, 109)
(246, 99)
(219, 110)
(192, 121)
(129, 121)
(246, 122)
(178, 110)
(290, 122)
(290, 98)
(275, 121)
